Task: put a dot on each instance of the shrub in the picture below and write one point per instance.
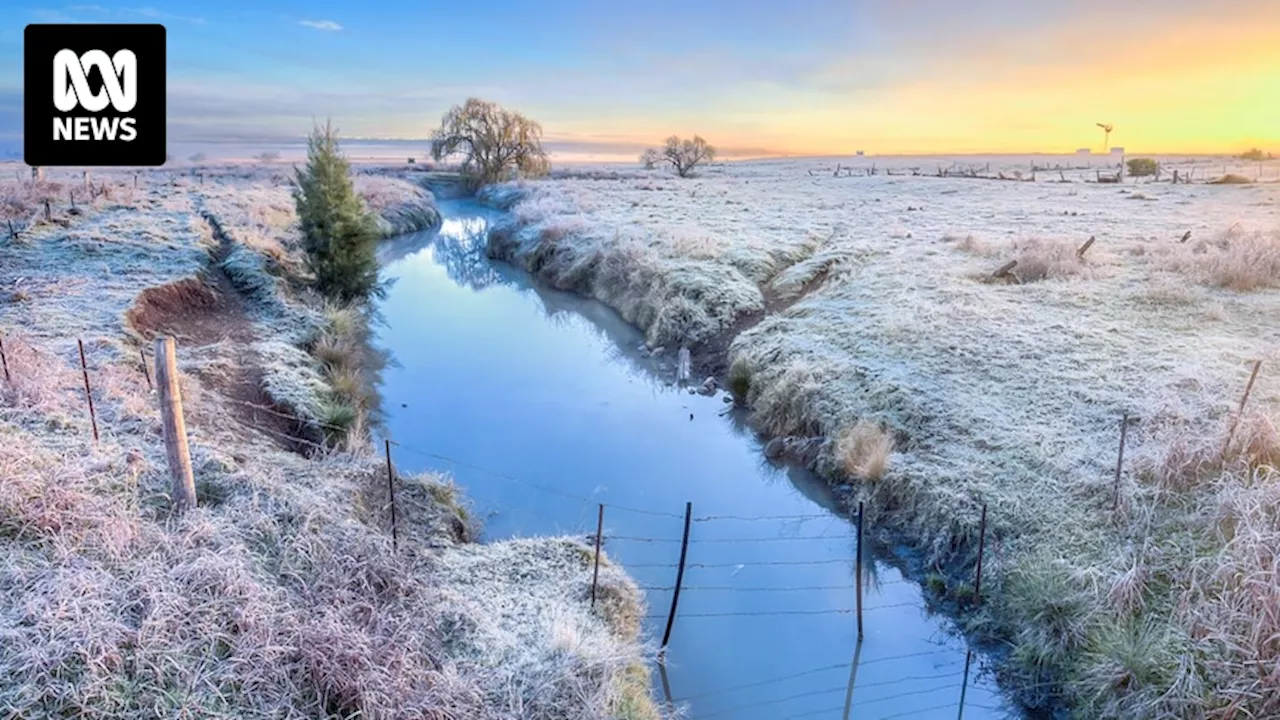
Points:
(492, 140)
(197, 158)
(267, 156)
(1231, 179)
(685, 155)
(650, 158)
(1142, 167)
(338, 235)
(1254, 154)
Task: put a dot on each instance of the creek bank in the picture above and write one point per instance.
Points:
(281, 594)
(706, 310)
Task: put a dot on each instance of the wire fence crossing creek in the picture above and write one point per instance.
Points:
(542, 407)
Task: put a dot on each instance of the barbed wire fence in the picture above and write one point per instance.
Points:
(687, 540)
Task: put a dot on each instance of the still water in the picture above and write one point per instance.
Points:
(544, 405)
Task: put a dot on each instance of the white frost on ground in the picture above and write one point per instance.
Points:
(1003, 393)
(281, 594)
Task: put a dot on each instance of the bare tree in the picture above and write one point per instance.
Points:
(685, 155)
(649, 158)
(493, 142)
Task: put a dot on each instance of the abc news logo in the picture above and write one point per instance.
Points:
(94, 95)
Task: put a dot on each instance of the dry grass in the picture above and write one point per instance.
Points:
(1234, 260)
(1232, 179)
(863, 450)
(1039, 259)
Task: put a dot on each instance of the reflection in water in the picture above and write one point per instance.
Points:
(518, 381)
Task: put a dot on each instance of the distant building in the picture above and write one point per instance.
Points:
(1117, 151)
(1084, 151)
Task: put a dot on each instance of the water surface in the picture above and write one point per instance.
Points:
(544, 405)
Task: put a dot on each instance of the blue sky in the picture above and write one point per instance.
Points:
(751, 75)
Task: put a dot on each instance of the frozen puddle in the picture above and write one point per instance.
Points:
(544, 407)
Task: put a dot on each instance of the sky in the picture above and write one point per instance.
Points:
(803, 77)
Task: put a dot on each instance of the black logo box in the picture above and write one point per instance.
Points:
(41, 42)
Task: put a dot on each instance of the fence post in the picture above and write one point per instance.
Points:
(175, 426)
(142, 353)
(88, 394)
(1115, 492)
(595, 573)
(1231, 433)
(858, 571)
(982, 546)
(684, 551)
(4, 361)
(391, 489)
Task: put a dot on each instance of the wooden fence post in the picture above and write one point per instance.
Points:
(858, 571)
(1231, 433)
(675, 597)
(595, 573)
(88, 394)
(4, 361)
(176, 450)
(391, 490)
(1085, 248)
(982, 547)
(1115, 492)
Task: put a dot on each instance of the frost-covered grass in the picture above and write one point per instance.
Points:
(401, 206)
(281, 594)
(1003, 394)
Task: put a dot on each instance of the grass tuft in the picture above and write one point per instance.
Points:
(864, 449)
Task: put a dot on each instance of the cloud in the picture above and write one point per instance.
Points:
(321, 25)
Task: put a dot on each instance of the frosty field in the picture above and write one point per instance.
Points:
(282, 594)
(868, 302)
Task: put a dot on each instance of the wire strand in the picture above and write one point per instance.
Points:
(750, 518)
(730, 540)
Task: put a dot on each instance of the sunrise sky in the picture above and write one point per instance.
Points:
(799, 77)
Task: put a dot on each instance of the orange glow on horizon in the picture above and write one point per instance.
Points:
(1191, 89)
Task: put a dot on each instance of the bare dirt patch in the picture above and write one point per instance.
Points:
(206, 314)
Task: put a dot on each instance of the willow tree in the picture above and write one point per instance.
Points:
(492, 141)
(339, 235)
(685, 155)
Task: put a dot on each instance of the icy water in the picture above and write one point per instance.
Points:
(541, 405)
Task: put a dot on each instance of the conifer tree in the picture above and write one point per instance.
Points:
(339, 235)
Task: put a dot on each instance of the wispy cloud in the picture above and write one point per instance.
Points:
(328, 25)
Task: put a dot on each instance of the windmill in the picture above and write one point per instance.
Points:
(1106, 136)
